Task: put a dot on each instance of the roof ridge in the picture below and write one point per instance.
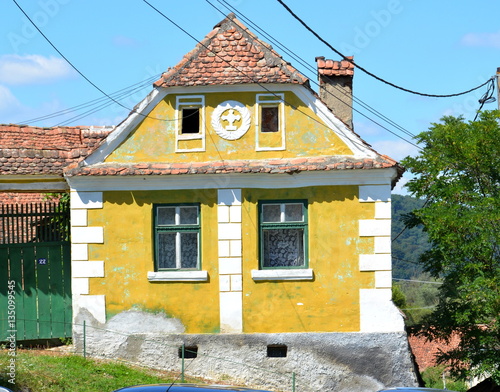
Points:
(230, 54)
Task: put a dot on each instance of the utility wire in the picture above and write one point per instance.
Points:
(309, 67)
(74, 67)
(417, 281)
(265, 88)
(356, 110)
(487, 97)
(368, 72)
(125, 92)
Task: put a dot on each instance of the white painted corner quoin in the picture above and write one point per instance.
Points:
(82, 269)
(377, 312)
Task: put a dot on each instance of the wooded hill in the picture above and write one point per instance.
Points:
(407, 244)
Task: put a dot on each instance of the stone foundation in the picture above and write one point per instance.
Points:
(321, 361)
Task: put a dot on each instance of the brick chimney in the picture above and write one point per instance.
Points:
(335, 82)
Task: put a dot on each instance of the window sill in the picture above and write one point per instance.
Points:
(283, 274)
(178, 276)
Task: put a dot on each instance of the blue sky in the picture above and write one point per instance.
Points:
(435, 47)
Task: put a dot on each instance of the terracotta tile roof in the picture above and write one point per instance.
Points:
(230, 54)
(425, 351)
(272, 166)
(28, 150)
(22, 197)
(335, 68)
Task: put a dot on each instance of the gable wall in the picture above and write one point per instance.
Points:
(154, 140)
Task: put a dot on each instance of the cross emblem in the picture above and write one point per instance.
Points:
(231, 118)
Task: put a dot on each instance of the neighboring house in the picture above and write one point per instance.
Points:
(32, 159)
(35, 260)
(425, 351)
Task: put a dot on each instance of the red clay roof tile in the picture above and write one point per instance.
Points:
(28, 150)
(335, 68)
(230, 54)
(291, 165)
(425, 351)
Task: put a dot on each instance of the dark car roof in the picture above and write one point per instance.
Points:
(184, 388)
(414, 389)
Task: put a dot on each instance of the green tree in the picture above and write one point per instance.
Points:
(457, 173)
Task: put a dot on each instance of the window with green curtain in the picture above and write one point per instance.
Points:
(283, 234)
(177, 237)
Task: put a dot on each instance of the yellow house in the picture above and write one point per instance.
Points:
(233, 202)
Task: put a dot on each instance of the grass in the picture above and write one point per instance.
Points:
(37, 372)
(433, 378)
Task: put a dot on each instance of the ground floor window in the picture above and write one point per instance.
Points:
(283, 234)
(177, 237)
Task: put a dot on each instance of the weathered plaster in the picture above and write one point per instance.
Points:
(329, 301)
(305, 134)
(129, 259)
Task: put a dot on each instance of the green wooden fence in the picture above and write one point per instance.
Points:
(35, 273)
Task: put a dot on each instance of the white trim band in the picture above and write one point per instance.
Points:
(283, 274)
(178, 276)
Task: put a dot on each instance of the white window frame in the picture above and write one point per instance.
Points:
(189, 102)
(270, 100)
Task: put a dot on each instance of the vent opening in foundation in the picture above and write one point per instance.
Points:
(277, 351)
(190, 352)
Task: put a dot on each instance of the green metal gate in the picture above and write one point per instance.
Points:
(35, 271)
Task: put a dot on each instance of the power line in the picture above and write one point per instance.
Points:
(125, 92)
(306, 65)
(417, 281)
(356, 110)
(74, 67)
(368, 72)
(262, 86)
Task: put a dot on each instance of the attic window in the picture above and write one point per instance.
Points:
(269, 119)
(189, 123)
(270, 130)
(190, 120)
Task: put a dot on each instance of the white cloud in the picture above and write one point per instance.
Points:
(366, 128)
(400, 186)
(491, 40)
(8, 102)
(396, 149)
(30, 69)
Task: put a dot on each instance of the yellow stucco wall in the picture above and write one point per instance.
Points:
(329, 303)
(154, 138)
(128, 256)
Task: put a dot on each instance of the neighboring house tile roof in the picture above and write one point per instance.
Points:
(425, 351)
(22, 197)
(26, 150)
(230, 54)
(272, 166)
(335, 68)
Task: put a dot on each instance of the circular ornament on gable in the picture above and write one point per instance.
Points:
(231, 120)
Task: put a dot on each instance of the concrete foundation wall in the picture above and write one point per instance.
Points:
(321, 361)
